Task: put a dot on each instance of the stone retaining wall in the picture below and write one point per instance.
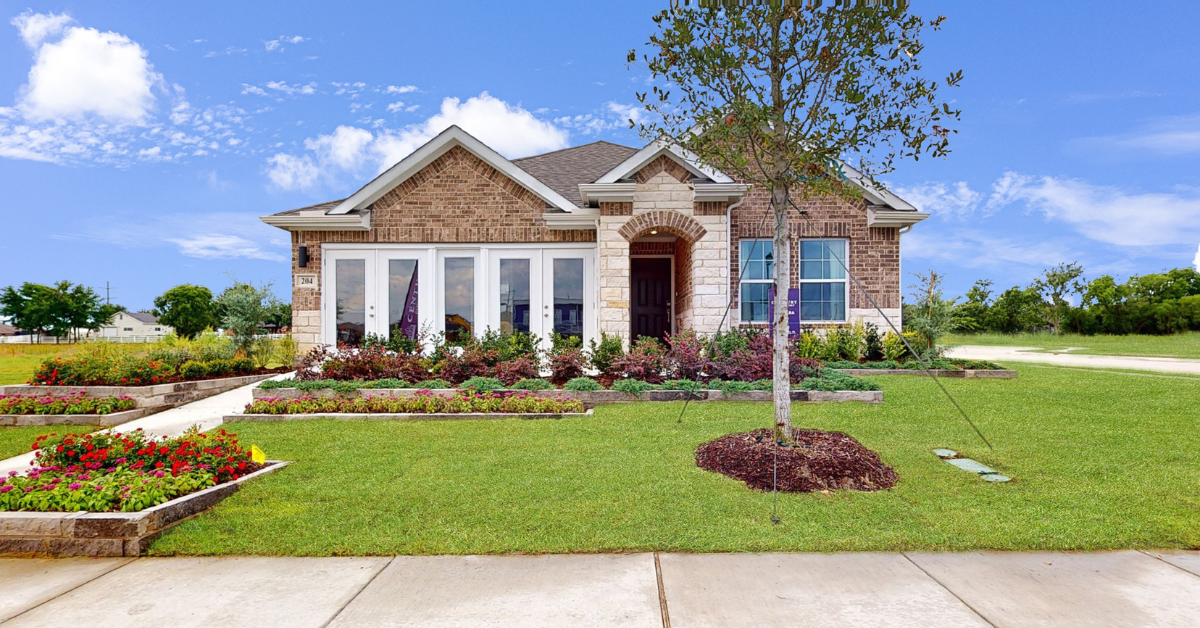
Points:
(98, 420)
(62, 534)
(158, 396)
(949, 373)
(600, 397)
(380, 416)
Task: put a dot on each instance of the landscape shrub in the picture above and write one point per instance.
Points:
(285, 351)
(731, 388)
(894, 349)
(510, 345)
(832, 381)
(742, 355)
(76, 403)
(219, 368)
(482, 384)
(433, 384)
(421, 403)
(460, 365)
(566, 364)
(686, 356)
(645, 361)
(515, 370)
(883, 365)
(387, 382)
(193, 369)
(242, 366)
(603, 355)
(583, 384)
(532, 384)
(374, 362)
(633, 386)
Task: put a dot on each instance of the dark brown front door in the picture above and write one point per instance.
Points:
(651, 306)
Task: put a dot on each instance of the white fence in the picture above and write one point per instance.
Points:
(50, 340)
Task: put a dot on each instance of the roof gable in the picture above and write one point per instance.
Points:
(626, 169)
(434, 148)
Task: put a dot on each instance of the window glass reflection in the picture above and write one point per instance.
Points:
(460, 298)
(514, 295)
(350, 276)
(568, 297)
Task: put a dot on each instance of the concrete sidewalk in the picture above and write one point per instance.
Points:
(1112, 589)
(1030, 354)
(207, 413)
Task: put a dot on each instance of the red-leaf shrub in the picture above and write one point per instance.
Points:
(373, 362)
(457, 367)
(686, 358)
(645, 361)
(515, 370)
(566, 365)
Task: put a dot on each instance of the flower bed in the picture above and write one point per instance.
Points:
(76, 403)
(941, 367)
(132, 370)
(423, 402)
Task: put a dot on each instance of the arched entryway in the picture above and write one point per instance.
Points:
(660, 272)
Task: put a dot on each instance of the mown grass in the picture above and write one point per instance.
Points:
(1185, 345)
(15, 441)
(1100, 461)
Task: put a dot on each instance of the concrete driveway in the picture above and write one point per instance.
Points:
(1032, 354)
(1111, 589)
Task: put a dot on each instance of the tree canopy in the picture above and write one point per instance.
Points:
(60, 310)
(188, 308)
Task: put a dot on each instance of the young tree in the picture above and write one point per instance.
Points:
(24, 307)
(1055, 284)
(60, 310)
(244, 311)
(778, 94)
(931, 316)
(187, 308)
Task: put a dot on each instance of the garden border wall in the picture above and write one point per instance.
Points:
(600, 397)
(147, 399)
(63, 534)
(97, 420)
(411, 416)
(948, 373)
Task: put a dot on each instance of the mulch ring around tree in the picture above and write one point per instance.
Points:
(818, 461)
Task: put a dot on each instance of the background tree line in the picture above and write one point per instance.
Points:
(64, 310)
(1063, 300)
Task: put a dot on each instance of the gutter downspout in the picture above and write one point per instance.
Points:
(729, 251)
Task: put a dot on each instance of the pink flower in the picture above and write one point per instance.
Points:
(6, 488)
(75, 486)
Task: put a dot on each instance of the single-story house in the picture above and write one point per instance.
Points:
(130, 324)
(597, 238)
(7, 330)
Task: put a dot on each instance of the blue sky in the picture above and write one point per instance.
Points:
(139, 142)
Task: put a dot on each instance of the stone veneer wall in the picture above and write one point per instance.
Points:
(663, 197)
(458, 198)
(874, 251)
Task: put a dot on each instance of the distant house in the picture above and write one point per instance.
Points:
(129, 324)
(7, 330)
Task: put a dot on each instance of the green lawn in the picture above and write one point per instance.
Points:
(1185, 345)
(15, 441)
(1100, 461)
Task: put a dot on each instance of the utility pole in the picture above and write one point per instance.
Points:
(108, 293)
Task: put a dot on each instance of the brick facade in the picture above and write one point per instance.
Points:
(874, 252)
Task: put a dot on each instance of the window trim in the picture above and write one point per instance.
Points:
(742, 280)
(845, 280)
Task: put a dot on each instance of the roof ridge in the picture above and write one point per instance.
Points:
(572, 148)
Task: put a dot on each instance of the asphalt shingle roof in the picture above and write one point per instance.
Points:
(563, 170)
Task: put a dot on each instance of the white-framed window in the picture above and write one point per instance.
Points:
(823, 287)
(758, 268)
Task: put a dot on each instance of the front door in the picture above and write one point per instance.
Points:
(651, 305)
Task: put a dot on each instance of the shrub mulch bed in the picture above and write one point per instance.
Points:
(818, 461)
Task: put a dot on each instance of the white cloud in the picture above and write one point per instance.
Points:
(254, 89)
(950, 200)
(392, 89)
(345, 148)
(291, 90)
(216, 246)
(1105, 213)
(85, 73)
(510, 130)
(277, 44)
(396, 106)
(1196, 262)
(962, 248)
(612, 115)
(1178, 135)
(37, 27)
(292, 173)
(628, 112)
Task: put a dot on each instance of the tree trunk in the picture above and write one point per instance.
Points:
(780, 366)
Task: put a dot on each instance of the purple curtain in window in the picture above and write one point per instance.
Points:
(410, 322)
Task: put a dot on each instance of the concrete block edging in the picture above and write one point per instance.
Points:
(63, 534)
(601, 397)
(947, 373)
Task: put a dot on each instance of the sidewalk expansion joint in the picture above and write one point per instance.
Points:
(662, 593)
(948, 590)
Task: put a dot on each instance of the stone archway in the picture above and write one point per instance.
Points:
(671, 222)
